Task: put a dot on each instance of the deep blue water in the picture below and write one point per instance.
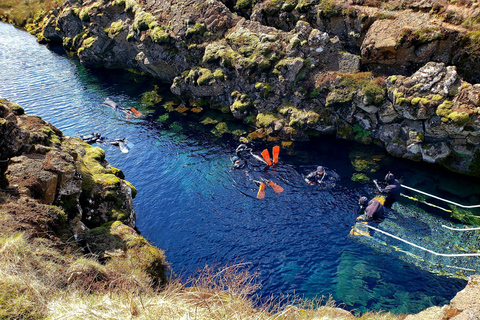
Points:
(193, 206)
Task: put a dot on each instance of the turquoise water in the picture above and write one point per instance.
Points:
(194, 206)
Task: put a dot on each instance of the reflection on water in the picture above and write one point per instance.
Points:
(194, 206)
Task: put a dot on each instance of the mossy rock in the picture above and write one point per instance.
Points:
(142, 21)
(151, 98)
(139, 254)
(301, 120)
(107, 179)
(360, 177)
(197, 29)
(132, 187)
(158, 35)
(163, 118)
(363, 162)
(220, 129)
(265, 119)
(265, 87)
(211, 117)
(115, 28)
(118, 214)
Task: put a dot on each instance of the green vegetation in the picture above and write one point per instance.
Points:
(350, 84)
(152, 97)
(143, 21)
(445, 111)
(158, 35)
(197, 29)
(265, 87)
(328, 8)
(245, 4)
(115, 28)
(420, 37)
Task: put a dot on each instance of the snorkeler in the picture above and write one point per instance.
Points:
(391, 190)
(372, 209)
(321, 176)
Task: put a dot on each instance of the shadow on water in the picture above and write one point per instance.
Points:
(192, 204)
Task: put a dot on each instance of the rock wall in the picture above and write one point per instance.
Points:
(293, 69)
(57, 187)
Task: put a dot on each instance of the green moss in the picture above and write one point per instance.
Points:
(118, 214)
(266, 88)
(218, 74)
(106, 179)
(339, 97)
(205, 76)
(244, 4)
(115, 28)
(444, 109)
(151, 98)
(220, 129)
(266, 119)
(53, 139)
(459, 118)
(134, 190)
(88, 42)
(327, 8)
(360, 177)
(142, 21)
(176, 127)
(197, 29)
(272, 7)
(401, 101)
(437, 97)
(416, 100)
(392, 79)
(419, 37)
(295, 41)
(158, 35)
(163, 118)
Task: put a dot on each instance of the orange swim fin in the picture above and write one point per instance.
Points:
(136, 113)
(275, 187)
(266, 156)
(261, 191)
(275, 151)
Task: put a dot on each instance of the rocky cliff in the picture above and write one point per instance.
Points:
(57, 188)
(395, 73)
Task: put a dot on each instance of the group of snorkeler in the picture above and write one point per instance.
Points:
(371, 208)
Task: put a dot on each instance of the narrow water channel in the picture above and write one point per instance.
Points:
(195, 207)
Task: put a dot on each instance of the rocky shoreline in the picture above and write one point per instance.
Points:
(59, 189)
(292, 70)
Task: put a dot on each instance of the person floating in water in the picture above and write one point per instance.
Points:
(316, 176)
(244, 153)
(321, 176)
(115, 106)
(371, 209)
(391, 190)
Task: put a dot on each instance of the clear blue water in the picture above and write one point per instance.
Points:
(192, 205)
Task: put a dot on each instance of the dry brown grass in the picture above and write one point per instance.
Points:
(20, 12)
(39, 282)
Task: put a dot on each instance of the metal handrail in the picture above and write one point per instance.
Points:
(445, 200)
(425, 249)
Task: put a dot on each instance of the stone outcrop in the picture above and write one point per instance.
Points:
(56, 187)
